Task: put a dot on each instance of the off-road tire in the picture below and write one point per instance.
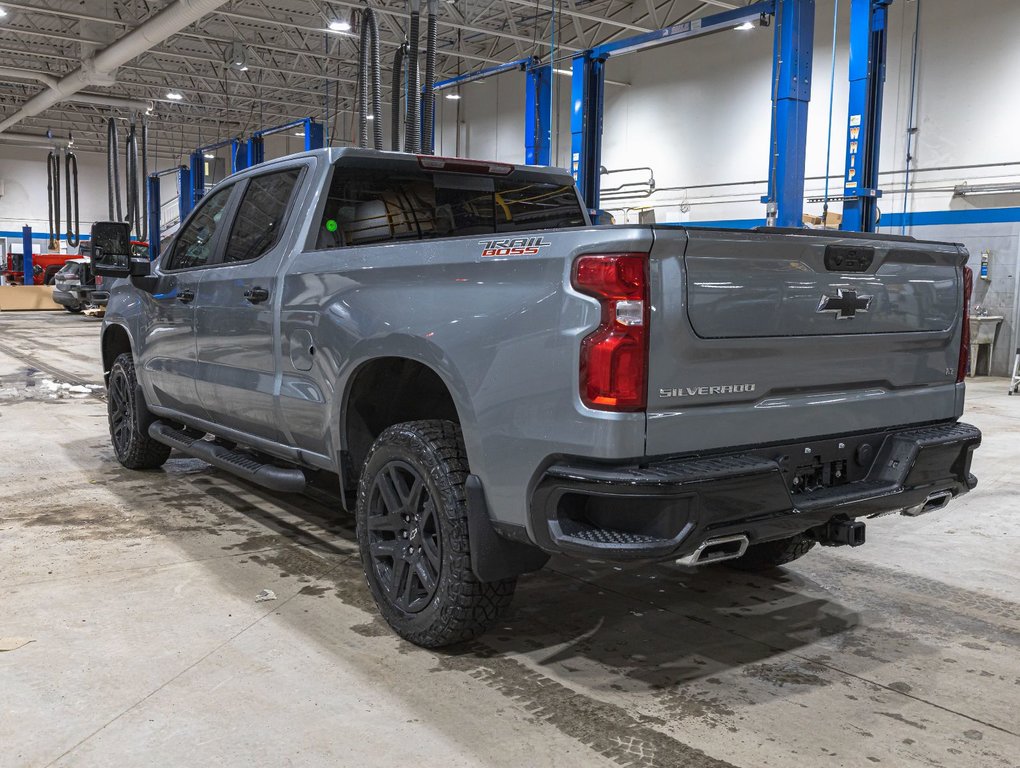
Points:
(770, 554)
(130, 419)
(459, 607)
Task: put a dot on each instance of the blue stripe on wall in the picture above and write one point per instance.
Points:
(35, 235)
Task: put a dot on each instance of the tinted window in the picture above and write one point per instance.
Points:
(366, 207)
(259, 221)
(193, 247)
(70, 269)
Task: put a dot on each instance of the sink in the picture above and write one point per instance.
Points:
(982, 329)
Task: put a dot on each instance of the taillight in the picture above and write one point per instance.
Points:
(968, 286)
(614, 357)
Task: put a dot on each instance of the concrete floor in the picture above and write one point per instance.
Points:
(138, 592)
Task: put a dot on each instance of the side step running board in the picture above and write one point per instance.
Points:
(241, 464)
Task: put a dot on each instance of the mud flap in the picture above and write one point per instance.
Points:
(494, 557)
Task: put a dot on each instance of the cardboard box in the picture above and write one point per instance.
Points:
(832, 220)
(26, 298)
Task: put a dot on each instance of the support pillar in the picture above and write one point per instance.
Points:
(26, 258)
(587, 98)
(869, 26)
(538, 116)
(793, 50)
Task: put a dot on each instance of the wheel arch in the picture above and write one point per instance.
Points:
(115, 341)
(387, 389)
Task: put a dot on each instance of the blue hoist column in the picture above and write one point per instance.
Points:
(869, 28)
(793, 50)
(538, 116)
(587, 99)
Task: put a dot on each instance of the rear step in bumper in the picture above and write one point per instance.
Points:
(683, 508)
(286, 480)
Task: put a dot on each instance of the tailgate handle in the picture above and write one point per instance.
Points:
(848, 258)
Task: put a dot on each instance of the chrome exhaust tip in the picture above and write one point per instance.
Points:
(933, 503)
(716, 550)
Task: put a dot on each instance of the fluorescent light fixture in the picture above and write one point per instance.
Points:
(339, 26)
(244, 69)
(745, 25)
(2, 13)
(453, 96)
(370, 117)
(210, 157)
(174, 96)
(563, 72)
(299, 133)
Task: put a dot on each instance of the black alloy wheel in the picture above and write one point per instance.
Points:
(403, 535)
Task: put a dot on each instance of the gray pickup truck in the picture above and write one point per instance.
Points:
(489, 379)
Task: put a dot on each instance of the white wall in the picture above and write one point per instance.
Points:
(24, 199)
(698, 112)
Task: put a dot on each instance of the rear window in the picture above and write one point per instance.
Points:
(70, 269)
(366, 206)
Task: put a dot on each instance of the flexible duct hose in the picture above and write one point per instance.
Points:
(396, 85)
(376, 80)
(113, 171)
(73, 221)
(53, 196)
(363, 65)
(429, 101)
(136, 219)
(145, 179)
(412, 128)
(130, 190)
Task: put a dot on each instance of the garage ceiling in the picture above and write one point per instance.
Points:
(294, 67)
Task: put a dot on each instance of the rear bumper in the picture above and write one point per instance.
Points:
(667, 508)
(66, 298)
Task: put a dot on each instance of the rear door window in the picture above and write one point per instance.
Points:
(261, 215)
(366, 207)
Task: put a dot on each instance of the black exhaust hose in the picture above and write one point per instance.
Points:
(53, 196)
(73, 219)
(428, 99)
(129, 177)
(376, 80)
(110, 128)
(136, 221)
(396, 85)
(363, 65)
(412, 128)
(145, 179)
(113, 152)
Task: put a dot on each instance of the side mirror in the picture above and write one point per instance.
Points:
(111, 249)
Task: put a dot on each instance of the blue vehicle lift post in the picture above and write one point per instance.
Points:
(791, 77)
(796, 36)
(26, 256)
(238, 161)
(184, 201)
(313, 134)
(869, 29)
(537, 103)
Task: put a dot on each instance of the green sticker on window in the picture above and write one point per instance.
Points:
(331, 225)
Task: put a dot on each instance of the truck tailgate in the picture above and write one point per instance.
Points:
(765, 336)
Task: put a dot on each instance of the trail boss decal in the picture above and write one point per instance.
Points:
(518, 246)
(724, 389)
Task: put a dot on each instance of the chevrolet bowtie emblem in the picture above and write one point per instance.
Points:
(846, 304)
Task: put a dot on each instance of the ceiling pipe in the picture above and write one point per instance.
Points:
(99, 69)
(50, 81)
(29, 74)
(134, 105)
(39, 140)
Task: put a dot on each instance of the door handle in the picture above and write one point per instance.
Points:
(186, 296)
(256, 295)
